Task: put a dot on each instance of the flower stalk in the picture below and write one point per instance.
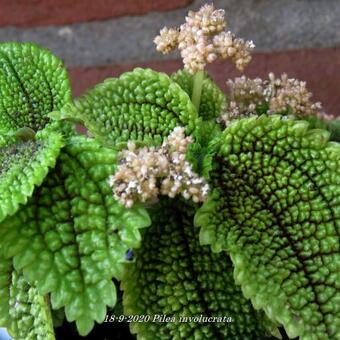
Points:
(197, 89)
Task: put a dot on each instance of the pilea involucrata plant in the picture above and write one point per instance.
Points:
(217, 215)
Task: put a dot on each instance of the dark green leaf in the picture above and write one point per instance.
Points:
(174, 276)
(201, 150)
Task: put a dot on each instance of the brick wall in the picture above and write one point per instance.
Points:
(102, 38)
(58, 12)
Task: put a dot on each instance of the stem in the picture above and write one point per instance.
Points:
(45, 304)
(197, 89)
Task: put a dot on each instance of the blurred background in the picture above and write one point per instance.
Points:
(102, 38)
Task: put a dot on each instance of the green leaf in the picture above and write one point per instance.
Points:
(174, 276)
(72, 236)
(333, 126)
(276, 210)
(24, 163)
(201, 150)
(24, 312)
(141, 105)
(213, 100)
(33, 82)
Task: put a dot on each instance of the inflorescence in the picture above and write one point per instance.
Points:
(275, 94)
(147, 172)
(202, 39)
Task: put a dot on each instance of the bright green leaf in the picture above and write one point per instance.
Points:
(276, 210)
(24, 165)
(24, 312)
(33, 82)
(72, 236)
(142, 105)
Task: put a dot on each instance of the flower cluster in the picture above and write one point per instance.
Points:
(146, 172)
(202, 39)
(273, 94)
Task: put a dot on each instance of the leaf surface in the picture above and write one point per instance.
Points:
(23, 311)
(23, 166)
(33, 83)
(174, 276)
(276, 210)
(142, 105)
(72, 236)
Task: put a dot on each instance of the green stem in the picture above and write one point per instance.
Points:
(48, 319)
(197, 89)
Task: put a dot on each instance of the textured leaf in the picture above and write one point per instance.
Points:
(24, 165)
(213, 100)
(33, 82)
(71, 237)
(174, 276)
(23, 311)
(276, 210)
(141, 105)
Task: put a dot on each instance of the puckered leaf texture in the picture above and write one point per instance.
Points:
(72, 236)
(174, 275)
(213, 100)
(24, 165)
(276, 210)
(142, 105)
(33, 82)
(23, 311)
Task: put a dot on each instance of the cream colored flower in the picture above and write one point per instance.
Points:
(201, 40)
(145, 173)
(281, 94)
(167, 40)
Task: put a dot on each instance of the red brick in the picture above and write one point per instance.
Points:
(52, 12)
(320, 68)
